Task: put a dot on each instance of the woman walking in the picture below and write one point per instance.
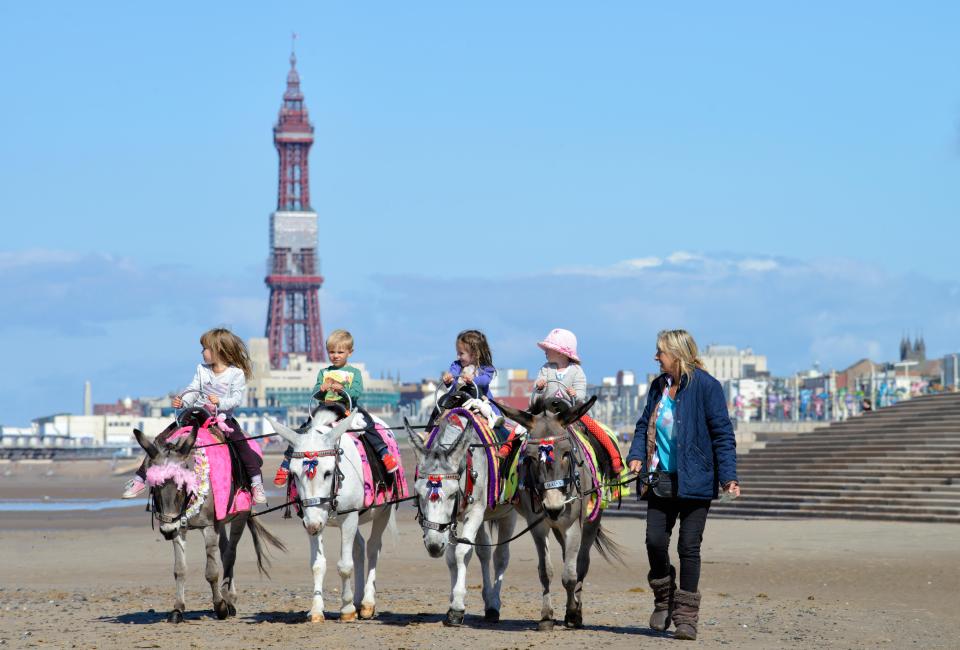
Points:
(686, 438)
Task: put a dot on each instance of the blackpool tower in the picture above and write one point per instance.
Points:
(293, 317)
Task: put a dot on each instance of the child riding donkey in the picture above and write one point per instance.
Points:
(333, 382)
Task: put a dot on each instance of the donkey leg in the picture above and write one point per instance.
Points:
(458, 557)
(589, 536)
(211, 538)
(572, 546)
(484, 553)
(318, 564)
(180, 576)
(368, 606)
(348, 531)
(501, 558)
(228, 558)
(359, 555)
(545, 569)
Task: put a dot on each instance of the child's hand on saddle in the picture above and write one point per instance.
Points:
(541, 383)
(176, 402)
(213, 399)
(467, 379)
(571, 392)
(447, 378)
(335, 386)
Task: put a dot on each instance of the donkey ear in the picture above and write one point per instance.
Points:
(350, 423)
(418, 446)
(457, 450)
(187, 443)
(283, 431)
(520, 417)
(146, 444)
(578, 412)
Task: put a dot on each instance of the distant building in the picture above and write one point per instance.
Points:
(727, 362)
(915, 350)
(950, 375)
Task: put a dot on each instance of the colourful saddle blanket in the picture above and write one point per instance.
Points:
(214, 472)
(600, 499)
(495, 488)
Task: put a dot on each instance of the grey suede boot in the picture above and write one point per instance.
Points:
(663, 589)
(686, 611)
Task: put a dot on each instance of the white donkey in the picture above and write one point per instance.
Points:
(329, 480)
(443, 504)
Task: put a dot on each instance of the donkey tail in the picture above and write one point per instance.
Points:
(261, 534)
(609, 550)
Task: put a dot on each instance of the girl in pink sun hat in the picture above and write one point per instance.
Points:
(561, 376)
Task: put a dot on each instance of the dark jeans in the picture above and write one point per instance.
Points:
(661, 516)
(250, 460)
(371, 433)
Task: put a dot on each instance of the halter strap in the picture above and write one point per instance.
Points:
(316, 454)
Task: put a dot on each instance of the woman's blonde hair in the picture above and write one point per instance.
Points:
(228, 348)
(680, 344)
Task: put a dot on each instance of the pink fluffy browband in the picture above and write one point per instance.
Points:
(183, 477)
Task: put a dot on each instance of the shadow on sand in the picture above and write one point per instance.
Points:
(431, 618)
(151, 617)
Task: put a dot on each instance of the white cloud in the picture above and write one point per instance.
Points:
(757, 265)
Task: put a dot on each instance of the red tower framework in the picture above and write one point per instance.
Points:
(293, 318)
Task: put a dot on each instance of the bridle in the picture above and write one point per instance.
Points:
(545, 456)
(310, 459)
(435, 485)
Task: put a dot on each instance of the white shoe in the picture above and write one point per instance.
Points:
(133, 488)
(259, 496)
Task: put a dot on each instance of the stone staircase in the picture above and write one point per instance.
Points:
(901, 463)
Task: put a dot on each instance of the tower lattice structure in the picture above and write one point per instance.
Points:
(293, 317)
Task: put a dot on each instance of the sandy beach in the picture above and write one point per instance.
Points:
(103, 579)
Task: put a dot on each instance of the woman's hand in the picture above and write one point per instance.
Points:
(447, 378)
(732, 488)
(176, 402)
(635, 466)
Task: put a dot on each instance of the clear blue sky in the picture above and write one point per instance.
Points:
(806, 155)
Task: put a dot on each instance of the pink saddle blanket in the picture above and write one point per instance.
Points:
(221, 480)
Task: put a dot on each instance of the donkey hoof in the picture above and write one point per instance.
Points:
(491, 615)
(176, 616)
(317, 618)
(573, 619)
(546, 625)
(346, 617)
(222, 610)
(231, 610)
(454, 618)
(367, 611)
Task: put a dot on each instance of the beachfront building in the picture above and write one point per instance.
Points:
(727, 362)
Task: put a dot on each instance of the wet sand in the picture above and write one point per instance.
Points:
(104, 579)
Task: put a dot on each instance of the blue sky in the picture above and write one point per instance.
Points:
(775, 175)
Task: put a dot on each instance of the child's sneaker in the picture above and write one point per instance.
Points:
(259, 496)
(282, 476)
(390, 463)
(133, 488)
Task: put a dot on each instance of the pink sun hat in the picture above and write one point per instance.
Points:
(562, 341)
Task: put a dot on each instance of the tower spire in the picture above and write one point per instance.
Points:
(293, 319)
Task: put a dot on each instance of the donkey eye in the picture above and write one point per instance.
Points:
(327, 474)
